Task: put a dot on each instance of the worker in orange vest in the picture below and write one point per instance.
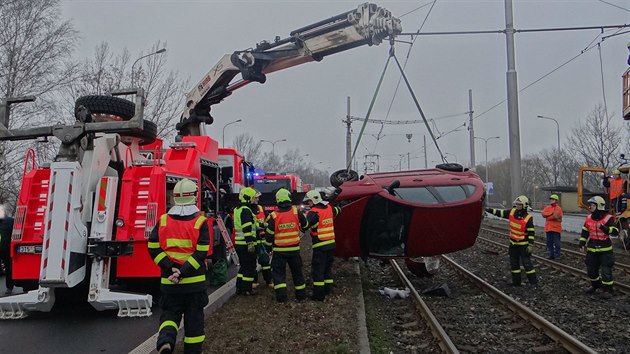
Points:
(616, 188)
(553, 226)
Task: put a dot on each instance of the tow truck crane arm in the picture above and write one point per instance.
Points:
(368, 24)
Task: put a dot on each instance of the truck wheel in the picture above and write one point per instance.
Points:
(453, 167)
(98, 104)
(147, 135)
(341, 176)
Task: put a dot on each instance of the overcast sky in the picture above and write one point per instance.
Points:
(306, 104)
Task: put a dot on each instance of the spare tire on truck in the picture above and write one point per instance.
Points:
(118, 108)
(453, 167)
(341, 176)
(147, 135)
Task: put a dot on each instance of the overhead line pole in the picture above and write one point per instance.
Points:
(471, 131)
(512, 103)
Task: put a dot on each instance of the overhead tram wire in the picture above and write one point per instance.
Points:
(613, 5)
(583, 51)
(413, 41)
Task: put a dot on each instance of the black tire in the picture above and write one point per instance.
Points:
(341, 176)
(147, 135)
(96, 104)
(453, 167)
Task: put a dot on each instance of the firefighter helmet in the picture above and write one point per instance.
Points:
(554, 197)
(521, 199)
(313, 196)
(185, 192)
(246, 194)
(283, 195)
(616, 172)
(598, 201)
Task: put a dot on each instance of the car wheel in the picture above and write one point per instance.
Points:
(341, 176)
(147, 135)
(115, 107)
(453, 167)
(423, 266)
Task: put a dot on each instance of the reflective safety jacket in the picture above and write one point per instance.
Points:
(596, 232)
(181, 242)
(522, 230)
(283, 229)
(245, 225)
(320, 219)
(616, 188)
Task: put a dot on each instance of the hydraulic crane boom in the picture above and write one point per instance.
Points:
(367, 24)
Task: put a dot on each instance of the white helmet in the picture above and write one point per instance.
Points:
(185, 192)
(313, 196)
(521, 199)
(598, 201)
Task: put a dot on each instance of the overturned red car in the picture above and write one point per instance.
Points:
(408, 214)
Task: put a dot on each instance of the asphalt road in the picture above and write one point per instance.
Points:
(74, 326)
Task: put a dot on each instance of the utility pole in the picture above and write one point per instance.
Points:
(408, 162)
(348, 122)
(471, 131)
(512, 103)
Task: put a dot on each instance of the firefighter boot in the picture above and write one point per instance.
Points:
(533, 281)
(607, 293)
(318, 293)
(516, 279)
(594, 286)
(165, 348)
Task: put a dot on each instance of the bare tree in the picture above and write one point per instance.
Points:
(249, 146)
(35, 59)
(108, 71)
(596, 141)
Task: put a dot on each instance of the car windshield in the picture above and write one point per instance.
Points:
(435, 194)
(271, 185)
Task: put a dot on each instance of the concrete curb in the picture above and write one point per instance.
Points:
(364, 341)
(216, 299)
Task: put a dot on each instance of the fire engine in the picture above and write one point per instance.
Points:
(269, 183)
(84, 218)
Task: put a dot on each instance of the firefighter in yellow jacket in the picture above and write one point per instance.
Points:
(283, 232)
(179, 245)
(522, 233)
(245, 241)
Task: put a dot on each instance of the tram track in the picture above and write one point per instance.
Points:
(492, 308)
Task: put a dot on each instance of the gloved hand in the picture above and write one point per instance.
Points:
(604, 228)
(489, 210)
(529, 250)
(251, 247)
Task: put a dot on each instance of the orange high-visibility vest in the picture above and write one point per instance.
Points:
(616, 188)
(286, 228)
(593, 227)
(178, 238)
(325, 230)
(518, 232)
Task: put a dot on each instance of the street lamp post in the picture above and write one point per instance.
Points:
(485, 141)
(273, 144)
(555, 174)
(159, 51)
(223, 134)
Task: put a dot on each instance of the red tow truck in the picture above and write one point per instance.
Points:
(85, 216)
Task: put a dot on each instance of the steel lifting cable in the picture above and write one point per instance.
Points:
(415, 100)
(378, 86)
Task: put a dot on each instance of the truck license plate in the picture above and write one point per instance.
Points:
(29, 249)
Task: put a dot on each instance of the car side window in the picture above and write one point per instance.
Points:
(419, 195)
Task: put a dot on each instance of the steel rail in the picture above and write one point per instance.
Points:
(623, 266)
(437, 330)
(624, 288)
(552, 331)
